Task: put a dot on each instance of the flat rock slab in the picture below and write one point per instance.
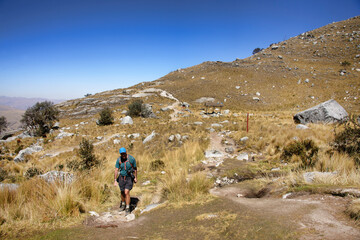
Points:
(109, 219)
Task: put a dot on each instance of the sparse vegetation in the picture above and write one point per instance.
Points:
(106, 117)
(87, 156)
(157, 165)
(3, 124)
(135, 108)
(348, 140)
(40, 118)
(256, 50)
(345, 63)
(32, 172)
(306, 150)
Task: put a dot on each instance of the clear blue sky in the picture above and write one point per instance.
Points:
(64, 49)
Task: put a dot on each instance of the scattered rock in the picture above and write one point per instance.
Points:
(229, 150)
(64, 134)
(116, 141)
(327, 112)
(134, 135)
(95, 214)
(127, 120)
(99, 138)
(27, 151)
(58, 176)
(301, 126)
(285, 196)
(213, 154)
(256, 99)
(216, 125)
(205, 99)
(165, 109)
(146, 183)
(243, 157)
(9, 186)
(150, 137)
(244, 139)
(146, 111)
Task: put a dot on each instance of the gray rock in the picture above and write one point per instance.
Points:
(64, 134)
(178, 137)
(134, 135)
(216, 125)
(127, 120)
(213, 154)
(198, 123)
(256, 99)
(226, 112)
(150, 207)
(9, 186)
(327, 112)
(146, 111)
(99, 138)
(171, 138)
(301, 126)
(185, 137)
(243, 157)
(185, 104)
(150, 137)
(274, 47)
(27, 151)
(229, 150)
(205, 99)
(116, 141)
(165, 109)
(244, 139)
(58, 176)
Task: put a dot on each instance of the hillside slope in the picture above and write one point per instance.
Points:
(295, 74)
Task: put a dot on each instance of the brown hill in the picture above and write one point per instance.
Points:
(12, 116)
(300, 72)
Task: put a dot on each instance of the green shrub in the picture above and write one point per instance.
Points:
(106, 117)
(32, 172)
(345, 63)
(135, 108)
(306, 150)
(3, 174)
(86, 153)
(348, 140)
(40, 118)
(157, 165)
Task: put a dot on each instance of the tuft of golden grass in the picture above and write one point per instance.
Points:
(354, 209)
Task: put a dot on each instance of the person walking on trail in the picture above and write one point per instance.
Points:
(125, 175)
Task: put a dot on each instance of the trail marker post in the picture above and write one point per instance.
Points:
(247, 122)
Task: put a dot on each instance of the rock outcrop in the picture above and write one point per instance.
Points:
(326, 112)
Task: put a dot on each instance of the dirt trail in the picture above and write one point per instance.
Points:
(316, 216)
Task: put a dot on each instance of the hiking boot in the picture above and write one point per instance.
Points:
(127, 211)
(122, 207)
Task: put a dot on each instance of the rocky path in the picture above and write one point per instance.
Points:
(315, 216)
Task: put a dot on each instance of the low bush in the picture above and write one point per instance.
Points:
(106, 117)
(348, 140)
(354, 209)
(306, 150)
(32, 172)
(3, 174)
(157, 165)
(87, 156)
(135, 108)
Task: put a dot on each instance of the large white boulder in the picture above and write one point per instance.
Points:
(127, 120)
(326, 112)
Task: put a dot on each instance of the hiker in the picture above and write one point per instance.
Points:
(125, 175)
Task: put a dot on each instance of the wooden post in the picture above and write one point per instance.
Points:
(247, 122)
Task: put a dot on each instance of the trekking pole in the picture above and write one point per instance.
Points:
(247, 122)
